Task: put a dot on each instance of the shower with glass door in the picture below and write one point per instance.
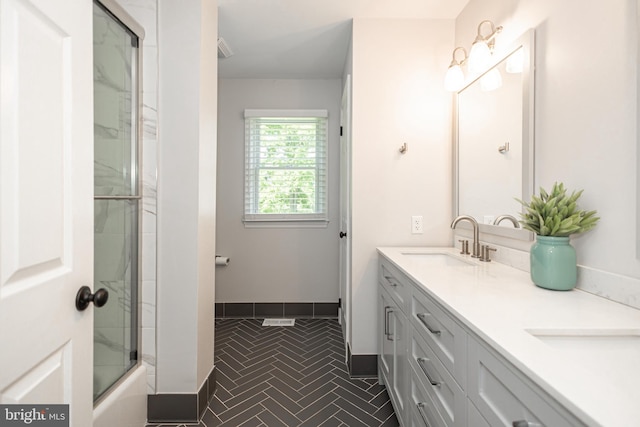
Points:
(117, 193)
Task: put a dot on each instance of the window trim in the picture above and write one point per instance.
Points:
(280, 220)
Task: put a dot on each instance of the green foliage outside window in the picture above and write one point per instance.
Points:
(287, 168)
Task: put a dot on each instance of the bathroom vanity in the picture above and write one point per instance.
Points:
(470, 343)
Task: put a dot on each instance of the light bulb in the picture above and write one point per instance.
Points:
(515, 62)
(492, 80)
(454, 79)
(479, 57)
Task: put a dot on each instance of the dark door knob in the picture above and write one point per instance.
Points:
(84, 297)
(343, 234)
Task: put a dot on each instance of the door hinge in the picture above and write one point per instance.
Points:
(339, 302)
(340, 130)
(133, 355)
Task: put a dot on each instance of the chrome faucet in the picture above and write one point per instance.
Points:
(475, 251)
(511, 218)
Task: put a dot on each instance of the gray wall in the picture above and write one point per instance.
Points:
(273, 264)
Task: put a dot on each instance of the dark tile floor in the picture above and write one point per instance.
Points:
(289, 376)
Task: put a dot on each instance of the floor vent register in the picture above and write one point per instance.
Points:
(279, 322)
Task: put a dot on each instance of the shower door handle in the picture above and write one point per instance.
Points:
(84, 297)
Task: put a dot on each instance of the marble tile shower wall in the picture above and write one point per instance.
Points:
(145, 13)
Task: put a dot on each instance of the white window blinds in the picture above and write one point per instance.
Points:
(285, 165)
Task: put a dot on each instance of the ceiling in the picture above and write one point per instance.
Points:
(305, 38)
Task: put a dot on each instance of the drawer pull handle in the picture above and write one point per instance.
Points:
(421, 362)
(423, 318)
(387, 310)
(421, 406)
(391, 281)
(523, 423)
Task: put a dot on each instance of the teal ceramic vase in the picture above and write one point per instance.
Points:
(553, 263)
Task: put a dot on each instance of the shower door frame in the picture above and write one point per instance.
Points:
(112, 8)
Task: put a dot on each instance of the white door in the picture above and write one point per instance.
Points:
(345, 209)
(46, 203)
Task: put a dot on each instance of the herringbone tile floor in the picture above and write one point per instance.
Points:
(289, 376)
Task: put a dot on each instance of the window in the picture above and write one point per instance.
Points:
(285, 165)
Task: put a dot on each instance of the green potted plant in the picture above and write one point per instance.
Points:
(553, 217)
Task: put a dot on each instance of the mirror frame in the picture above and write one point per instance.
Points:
(527, 43)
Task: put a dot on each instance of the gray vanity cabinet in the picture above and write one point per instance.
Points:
(440, 374)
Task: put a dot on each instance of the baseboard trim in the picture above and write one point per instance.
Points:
(260, 310)
(362, 365)
(183, 407)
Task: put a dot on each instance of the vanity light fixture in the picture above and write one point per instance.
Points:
(492, 80)
(478, 59)
(454, 79)
(480, 55)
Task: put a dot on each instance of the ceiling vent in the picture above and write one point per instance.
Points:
(224, 51)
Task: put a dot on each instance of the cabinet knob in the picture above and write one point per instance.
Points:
(421, 406)
(387, 311)
(423, 318)
(421, 362)
(391, 281)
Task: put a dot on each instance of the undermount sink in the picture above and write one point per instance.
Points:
(599, 340)
(437, 259)
(598, 349)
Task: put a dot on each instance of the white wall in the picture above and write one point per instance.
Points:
(398, 97)
(273, 264)
(585, 120)
(186, 193)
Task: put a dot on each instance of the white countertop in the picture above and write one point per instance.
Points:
(592, 368)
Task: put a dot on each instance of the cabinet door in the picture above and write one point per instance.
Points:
(385, 352)
(474, 419)
(445, 336)
(505, 397)
(445, 393)
(392, 361)
(421, 410)
(396, 283)
(400, 375)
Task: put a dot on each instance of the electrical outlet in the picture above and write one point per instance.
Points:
(416, 224)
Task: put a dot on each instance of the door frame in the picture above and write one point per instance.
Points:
(344, 312)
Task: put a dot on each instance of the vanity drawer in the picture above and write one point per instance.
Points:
(396, 283)
(474, 419)
(422, 411)
(447, 339)
(447, 396)
(503, 396)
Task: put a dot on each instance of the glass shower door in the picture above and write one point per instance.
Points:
(116, 197)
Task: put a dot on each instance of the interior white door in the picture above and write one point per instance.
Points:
(345, 209)
(46, 203)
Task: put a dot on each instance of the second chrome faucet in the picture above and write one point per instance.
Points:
(475, 250)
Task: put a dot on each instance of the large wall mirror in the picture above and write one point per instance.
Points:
(494, 140)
